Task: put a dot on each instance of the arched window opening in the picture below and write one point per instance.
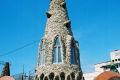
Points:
(62, 76)
(68, 77)
(51, 76)
(42, 52)
(73, 76)
(57, 51)
(57, 78)
(41, 77)
(78, 77)
(36, 78)
(46, 78)
(74, 52)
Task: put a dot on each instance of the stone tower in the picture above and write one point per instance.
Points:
(58, 54)
(6, 70)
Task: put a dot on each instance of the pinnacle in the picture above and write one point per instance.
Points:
(57, 0)
(57, 3)
(58, 21)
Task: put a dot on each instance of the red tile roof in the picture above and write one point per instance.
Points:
(107, 75)
(6, 78)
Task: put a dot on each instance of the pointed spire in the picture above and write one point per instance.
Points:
(58, 19)
(6, 70)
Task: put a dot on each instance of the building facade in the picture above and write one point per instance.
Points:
(58, 53)
(112, 65)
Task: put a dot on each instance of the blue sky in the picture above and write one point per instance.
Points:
(95, 24)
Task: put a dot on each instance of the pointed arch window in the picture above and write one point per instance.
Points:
(62, 76)
(42, 52)
(42, 76)
(57, 51)
(73, 54)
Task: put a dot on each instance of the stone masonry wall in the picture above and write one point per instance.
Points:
(58, 24)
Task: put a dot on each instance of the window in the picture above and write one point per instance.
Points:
(57, 51)
(51, 76)
(73, 76)
(112, 60)
(78, 77)
(41, 77)
(57, 78)
(73, 54)
(117, 66)
(42, 51)
(68, 77)
(119, 59)
(115, 59)
(46, 78)
(62, 76)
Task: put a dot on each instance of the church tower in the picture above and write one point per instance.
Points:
(58, 53)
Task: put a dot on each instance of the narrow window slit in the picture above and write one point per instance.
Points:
(67, 23)
(48, 14)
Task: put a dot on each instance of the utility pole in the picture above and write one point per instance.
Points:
(29, 76)
(23, 73)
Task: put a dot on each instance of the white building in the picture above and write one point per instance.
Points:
(105, 66)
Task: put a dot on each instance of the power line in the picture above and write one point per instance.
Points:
(29, 44)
